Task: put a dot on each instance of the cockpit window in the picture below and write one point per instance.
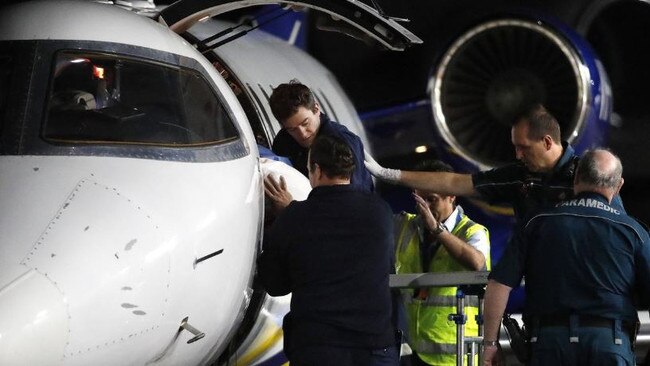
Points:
(102, 98)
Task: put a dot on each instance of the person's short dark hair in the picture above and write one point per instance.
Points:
(436, 166)
(432, 165)
(333, 155)
(590, 171)
(287, 98)
(540, 123)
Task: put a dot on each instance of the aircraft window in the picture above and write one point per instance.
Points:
(98, 98)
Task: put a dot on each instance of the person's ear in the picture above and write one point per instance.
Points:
(548, 142)
(316, 108)
(620, 185)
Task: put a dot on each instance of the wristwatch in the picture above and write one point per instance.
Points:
(439, 229)
(490, 343)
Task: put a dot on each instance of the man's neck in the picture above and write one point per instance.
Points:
(608, 194)
(446, 217)
(556, 154)
(327, 181)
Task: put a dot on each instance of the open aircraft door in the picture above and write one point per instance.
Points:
(350, 17)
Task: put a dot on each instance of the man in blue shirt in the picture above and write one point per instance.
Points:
(294, 106)
(584, 262)
(333, 252)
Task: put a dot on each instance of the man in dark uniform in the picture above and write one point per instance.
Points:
(334, 253)
(542, 177)
(584, 262)
(294, 106)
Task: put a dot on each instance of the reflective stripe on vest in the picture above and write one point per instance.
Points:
(422, 346)
(433, 300)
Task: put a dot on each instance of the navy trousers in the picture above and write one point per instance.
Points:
(596, 346)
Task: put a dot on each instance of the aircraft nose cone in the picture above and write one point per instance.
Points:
(33, 321)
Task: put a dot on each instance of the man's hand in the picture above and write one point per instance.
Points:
(424, 210)
(491, 356)
(277, 192)
(385, 174)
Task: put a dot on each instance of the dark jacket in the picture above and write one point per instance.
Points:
(285, 145)
(333, 253)
(583, 257)
(526, 191)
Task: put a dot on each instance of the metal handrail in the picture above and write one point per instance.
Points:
(466, 282)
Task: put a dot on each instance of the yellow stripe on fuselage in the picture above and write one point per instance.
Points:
(253, 354)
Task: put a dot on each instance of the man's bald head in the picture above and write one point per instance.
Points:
(599, 171)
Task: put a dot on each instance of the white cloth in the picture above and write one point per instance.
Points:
(297, 184)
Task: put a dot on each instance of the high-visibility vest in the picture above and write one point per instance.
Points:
(432, 335)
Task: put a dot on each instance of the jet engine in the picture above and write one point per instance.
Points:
(499, 66)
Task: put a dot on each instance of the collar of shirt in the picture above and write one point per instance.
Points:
(567, 154)
(325, 122)
(323, 190)
(453, 219)
(594, 195)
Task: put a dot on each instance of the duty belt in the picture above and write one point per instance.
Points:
(563, 320)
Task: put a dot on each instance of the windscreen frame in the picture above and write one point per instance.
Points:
(22, 133)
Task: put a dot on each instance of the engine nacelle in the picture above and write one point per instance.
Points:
(498, 67)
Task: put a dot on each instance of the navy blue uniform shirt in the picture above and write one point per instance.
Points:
(285, 145)
(582, 257)
(334, 253)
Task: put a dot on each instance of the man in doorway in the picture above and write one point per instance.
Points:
(294, 106)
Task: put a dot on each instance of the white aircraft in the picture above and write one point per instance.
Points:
(130, 180)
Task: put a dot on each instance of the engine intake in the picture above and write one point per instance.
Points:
(494, 70)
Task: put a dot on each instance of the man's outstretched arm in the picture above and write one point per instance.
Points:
(440, 182)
